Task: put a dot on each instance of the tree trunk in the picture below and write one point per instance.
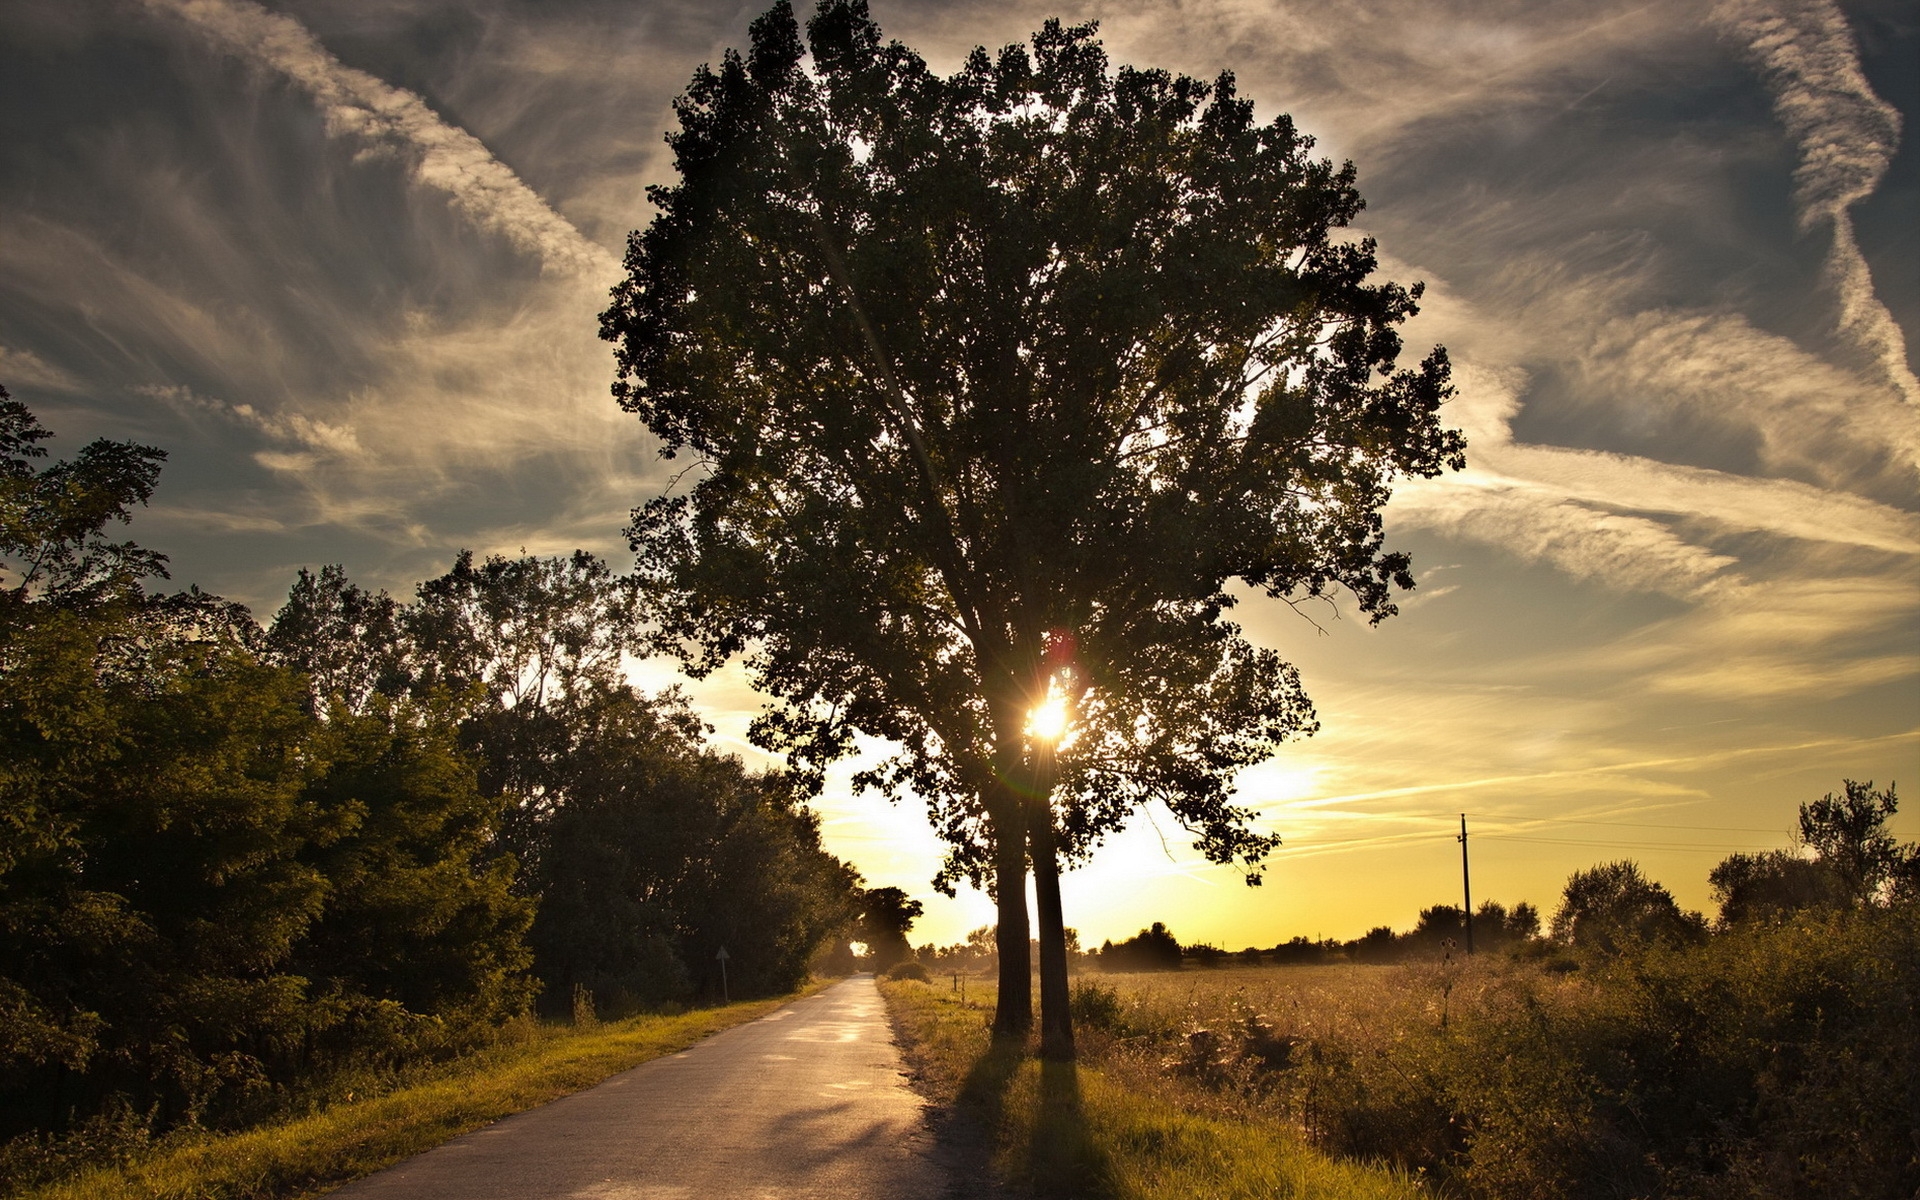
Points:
(1013, 1011)
(1056, 1014)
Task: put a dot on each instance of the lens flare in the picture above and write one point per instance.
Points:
(1049, 720)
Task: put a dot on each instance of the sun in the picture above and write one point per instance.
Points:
(1049, 719)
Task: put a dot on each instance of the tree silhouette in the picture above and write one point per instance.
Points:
(1612, 907)
(886, 916)
(992, 383)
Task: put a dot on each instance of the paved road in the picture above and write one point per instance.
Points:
(806, 1102)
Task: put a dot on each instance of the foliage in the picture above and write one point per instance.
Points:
(1855, 861)
(237, 868)
(631, 834)
(53, 520)
(1774, 1060)
(421, 919)
(662, 852)
(886, 916)
(1773, 884)
(1848, 834)
(346, 641)
(993, 382)
(1152, 949)
(1613, 907)
(378, 1122)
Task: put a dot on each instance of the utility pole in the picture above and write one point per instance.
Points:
(1466, 884)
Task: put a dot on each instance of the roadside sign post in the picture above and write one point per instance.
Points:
(722, 956)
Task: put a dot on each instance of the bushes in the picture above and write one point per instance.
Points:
(244, 871)
(908, 970)
(1771, 1061)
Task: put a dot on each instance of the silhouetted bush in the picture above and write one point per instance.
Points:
(1152, 949)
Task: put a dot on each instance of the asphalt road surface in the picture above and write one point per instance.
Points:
(808, 1101)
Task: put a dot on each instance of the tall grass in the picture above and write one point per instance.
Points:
(1775, 1061)
(1085, 1132)
(346, 1140)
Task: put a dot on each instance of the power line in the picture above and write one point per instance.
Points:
(1717, 848)
(1645, 825)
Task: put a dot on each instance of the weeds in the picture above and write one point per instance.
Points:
(359, 1133)
(1776, 1061)
(1101, 1133)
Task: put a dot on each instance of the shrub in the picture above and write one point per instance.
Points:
(908, 970)
(1096, 1006)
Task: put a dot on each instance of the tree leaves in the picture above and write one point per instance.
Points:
(963, 361)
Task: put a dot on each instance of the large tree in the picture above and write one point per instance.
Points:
(993, 382)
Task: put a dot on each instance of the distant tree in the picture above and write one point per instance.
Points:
(1848, 834)
(1204, 954)
(1439, 929)
(1523, 923)
(886, 915)
(347, 642)
(1378, 944)
(1851, 859)
(1773, 884)
(1613, 907)
(1152, 949)
(994, 382)
(542, 639)
(646, 851)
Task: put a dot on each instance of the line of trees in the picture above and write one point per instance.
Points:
(236, 861)
(1847, 860)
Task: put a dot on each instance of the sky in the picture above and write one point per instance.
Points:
(343, 260)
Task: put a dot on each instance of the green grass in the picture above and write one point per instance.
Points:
(312, 1154)
(1084, 1132)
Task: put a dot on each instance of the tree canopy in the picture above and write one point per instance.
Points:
(993, 383)
(239, 868)
(1855, 861)
(1613, 907)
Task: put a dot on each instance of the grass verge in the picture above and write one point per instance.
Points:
(309, 1155)
(1063, 1130)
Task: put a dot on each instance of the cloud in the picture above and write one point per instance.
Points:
(389, 119)
(25, 369)
(1571, 507)
(1810, 415)
(1736, 502)
(1847, 137)
(292, 429)
(1621, 552)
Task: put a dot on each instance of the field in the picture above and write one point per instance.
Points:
(1106, 1129)
(1775, 1062)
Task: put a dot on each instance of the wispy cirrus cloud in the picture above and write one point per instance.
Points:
(23, 368)
(1847, 137)
(388, 119)
(298, 440)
